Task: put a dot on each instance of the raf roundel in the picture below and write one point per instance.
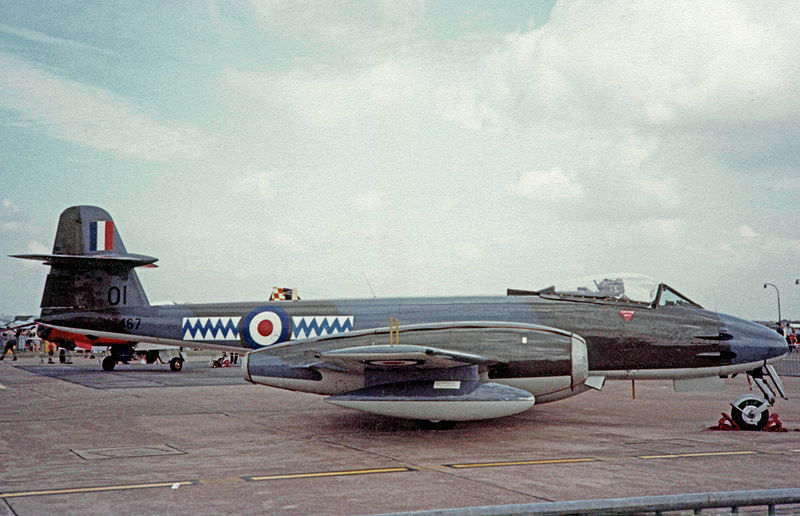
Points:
(264, 326)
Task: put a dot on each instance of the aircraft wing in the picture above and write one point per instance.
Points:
(436, 371)
(360, 358)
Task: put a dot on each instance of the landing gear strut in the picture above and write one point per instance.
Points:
(750, 412)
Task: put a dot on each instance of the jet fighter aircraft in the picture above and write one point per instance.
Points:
(435, 360)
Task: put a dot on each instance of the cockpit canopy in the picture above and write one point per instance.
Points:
(624, 288)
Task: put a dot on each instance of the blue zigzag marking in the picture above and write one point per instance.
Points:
(308, 326)
(210, 331)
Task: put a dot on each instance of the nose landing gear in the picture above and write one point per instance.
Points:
(751, 412)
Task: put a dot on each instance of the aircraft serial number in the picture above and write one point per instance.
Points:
(130, 323)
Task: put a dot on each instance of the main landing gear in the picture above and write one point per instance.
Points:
(109, 363)
(116, 354)
(750, 412)
(151, 357)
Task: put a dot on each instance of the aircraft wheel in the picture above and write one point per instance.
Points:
(109, 363)
(746, 416)
(176, 364)
(435, 425)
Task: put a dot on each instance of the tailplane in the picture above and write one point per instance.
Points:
(90, 269)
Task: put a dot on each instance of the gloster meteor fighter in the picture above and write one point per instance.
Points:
(436, 360)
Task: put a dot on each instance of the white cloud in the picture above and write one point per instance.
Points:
(371, 201)
(15, 226)
(351, 99)
(655, 189)
(367, 26)
(790, 183)
(38, 37)
(392, 93)
(458, 102)
(670, 232)
(9, 205)
(257, 184)
(747, 232)
(35, 247)
(546, 185)
(786, 247)
(286, 241)
(655, 63)
(469, 252)
(91, 116)
(13, 220)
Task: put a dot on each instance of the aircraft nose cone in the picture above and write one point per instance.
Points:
(753, 342)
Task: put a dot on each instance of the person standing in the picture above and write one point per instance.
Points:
(11, 342)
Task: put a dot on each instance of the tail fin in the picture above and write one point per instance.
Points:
(90, 268)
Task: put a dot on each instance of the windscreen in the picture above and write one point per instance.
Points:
(621, 287)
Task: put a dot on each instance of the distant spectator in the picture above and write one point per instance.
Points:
(51, 349)
(222, 361)
(11, 342)
(793, 340)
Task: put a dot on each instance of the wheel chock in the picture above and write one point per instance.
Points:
(774, 424)
(725, 423)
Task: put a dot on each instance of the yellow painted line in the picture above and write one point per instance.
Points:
(520, 463)
(330, 474)
(701, 454)
(220, 480)
(78, 490)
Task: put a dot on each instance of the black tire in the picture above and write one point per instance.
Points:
(425, 424)
(109, 363)
(746, 420)
(176, 364)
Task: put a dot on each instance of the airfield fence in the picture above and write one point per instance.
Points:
(789, 365)
(731, 502)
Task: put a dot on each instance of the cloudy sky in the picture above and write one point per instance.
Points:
(422, 148)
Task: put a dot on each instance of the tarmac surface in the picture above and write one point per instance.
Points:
(144, 440)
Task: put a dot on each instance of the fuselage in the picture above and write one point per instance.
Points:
(624, 340)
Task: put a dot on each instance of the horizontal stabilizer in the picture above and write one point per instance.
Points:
(93, 261)
(519, 292)
(438, 400)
